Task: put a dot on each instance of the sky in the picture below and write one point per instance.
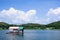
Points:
(29, 11)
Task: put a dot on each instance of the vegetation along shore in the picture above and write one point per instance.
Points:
(53, 25)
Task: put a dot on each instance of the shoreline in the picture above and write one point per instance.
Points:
(31, 29)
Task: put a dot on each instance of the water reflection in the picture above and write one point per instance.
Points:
(32, 35)
(15, 37)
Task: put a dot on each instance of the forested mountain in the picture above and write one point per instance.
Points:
(4, 25)
(54, 25)
(33, 26)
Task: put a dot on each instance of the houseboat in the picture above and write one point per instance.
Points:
(16, 30)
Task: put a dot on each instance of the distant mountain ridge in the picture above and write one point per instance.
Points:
(54, 25)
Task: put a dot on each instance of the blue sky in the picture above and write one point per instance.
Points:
(29, 11)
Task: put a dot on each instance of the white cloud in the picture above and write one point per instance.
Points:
(54, 11)
(17, 16)
(54, 14)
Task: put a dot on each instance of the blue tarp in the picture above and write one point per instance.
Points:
(20, 28)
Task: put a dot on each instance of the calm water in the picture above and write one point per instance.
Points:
(32, 35)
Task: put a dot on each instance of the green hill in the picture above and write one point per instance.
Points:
(4, 25)
(53, 25)
(33, 26)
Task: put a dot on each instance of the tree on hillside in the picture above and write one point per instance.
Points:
(55, 25)
(4, 25)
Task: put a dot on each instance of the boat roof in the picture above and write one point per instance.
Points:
(15, 27)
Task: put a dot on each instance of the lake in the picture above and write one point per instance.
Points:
(32, 35)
